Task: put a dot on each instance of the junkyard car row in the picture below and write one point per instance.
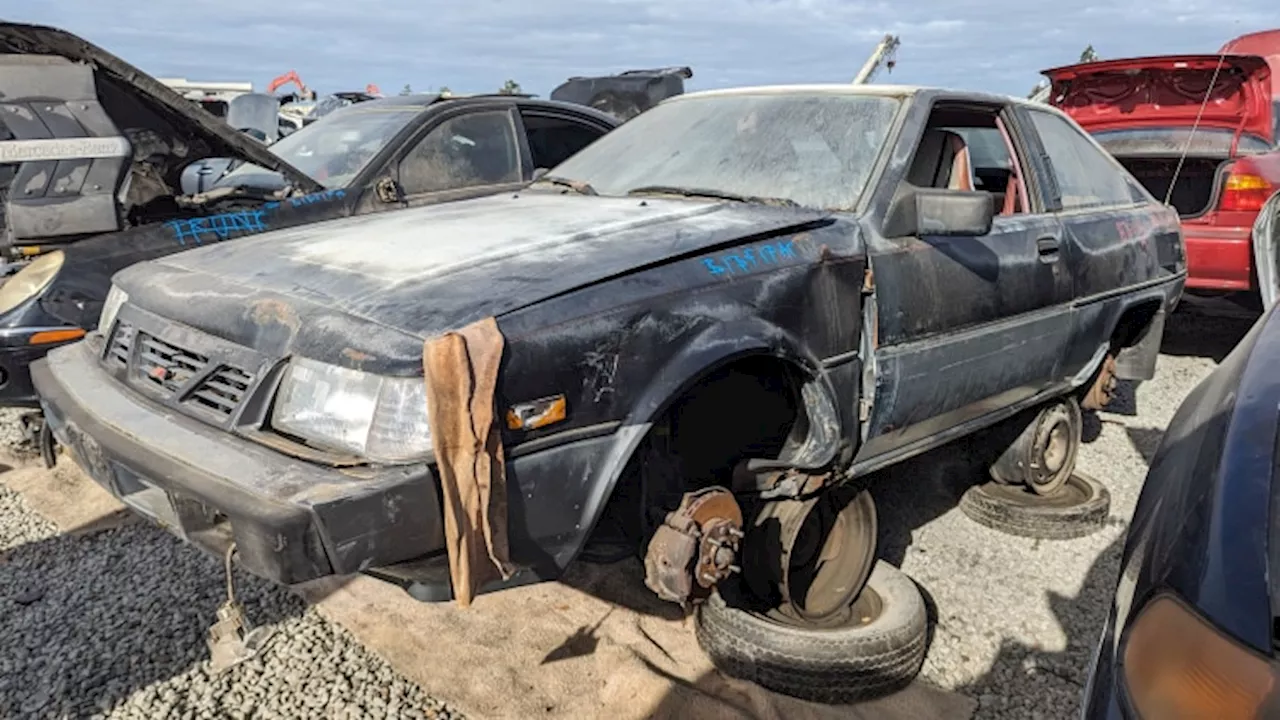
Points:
(693, 334)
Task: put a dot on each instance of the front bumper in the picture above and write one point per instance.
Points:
(291, 520)
(16, 356)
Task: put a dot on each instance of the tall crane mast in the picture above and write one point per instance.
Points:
(884, 54)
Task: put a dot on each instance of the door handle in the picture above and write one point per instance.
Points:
(1047, 247)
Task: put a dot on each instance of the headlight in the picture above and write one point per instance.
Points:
(380, 418)
(1177, 665)
(30, 280)
(111, 307)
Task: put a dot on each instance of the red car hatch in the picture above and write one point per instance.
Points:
(1167, 90)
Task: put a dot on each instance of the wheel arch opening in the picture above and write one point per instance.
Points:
(753, 406)
(1135, 342)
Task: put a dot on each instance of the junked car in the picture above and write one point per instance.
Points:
(701, 333)
(1202, 131)
(111, 193)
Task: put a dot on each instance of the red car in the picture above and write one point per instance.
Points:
(1149, 111)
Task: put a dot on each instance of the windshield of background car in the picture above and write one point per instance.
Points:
(815, 149)
(334, 150)
(1172, 141)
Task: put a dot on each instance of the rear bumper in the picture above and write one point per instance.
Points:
(291, 520)
(1219, 258)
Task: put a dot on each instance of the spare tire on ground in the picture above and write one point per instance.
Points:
(874, 650)
(1079, 508)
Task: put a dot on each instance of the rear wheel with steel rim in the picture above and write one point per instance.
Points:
(1043, 456)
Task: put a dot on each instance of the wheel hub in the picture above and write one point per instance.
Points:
(695, 547)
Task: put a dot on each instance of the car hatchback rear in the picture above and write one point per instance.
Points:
(1157, 116)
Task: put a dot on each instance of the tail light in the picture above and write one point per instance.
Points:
(1176, 665)
(1245, 191)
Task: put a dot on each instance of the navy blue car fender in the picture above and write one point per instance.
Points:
(718, 346)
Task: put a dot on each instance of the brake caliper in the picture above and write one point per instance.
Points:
(695, 547)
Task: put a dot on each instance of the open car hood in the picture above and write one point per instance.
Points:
(1167, 90)
(138, 104)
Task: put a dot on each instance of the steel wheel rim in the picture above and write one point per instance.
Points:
(1054, 450)
(816, 581)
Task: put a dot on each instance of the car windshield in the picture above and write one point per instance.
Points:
(814, 149)
(334, 150)
(1172, 141)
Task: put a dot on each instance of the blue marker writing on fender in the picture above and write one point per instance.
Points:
(218, 227)
(750, 258)
(224, 226)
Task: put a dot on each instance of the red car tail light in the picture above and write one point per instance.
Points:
(1245, 191)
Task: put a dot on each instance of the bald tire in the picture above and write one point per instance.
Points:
(1079, 508)
(829, 665)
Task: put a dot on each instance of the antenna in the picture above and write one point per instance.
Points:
(1186, 148)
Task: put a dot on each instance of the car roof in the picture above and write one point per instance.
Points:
(870, 89)
(425, 101)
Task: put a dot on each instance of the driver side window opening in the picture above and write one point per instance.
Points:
(968, 149)
(469, 150)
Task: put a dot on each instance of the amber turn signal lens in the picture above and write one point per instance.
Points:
(538, 413)
(1177, 665)
(46, 337)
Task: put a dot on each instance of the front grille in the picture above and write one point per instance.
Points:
(167, 367)
(222, 391)
(121, 345)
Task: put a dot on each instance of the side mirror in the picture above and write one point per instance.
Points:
(388, 190)
(929, 211)
(539, 172)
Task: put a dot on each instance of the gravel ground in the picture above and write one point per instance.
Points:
(113, 624)
(1018, 618)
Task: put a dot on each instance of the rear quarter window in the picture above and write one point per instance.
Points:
(1085, 176)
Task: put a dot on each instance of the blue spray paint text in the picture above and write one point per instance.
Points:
(751, 258)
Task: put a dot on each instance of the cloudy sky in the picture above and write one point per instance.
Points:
(474, 45)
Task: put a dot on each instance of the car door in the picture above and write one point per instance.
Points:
(469, 151)
(1110, 241)
(968, 326)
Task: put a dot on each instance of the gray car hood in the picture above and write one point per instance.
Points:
(421, 272)
(193, 127)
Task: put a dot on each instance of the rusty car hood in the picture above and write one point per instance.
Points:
(1167, 90)
(420, 272)
(178, 123)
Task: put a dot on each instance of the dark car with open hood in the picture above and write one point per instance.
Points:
(695, 340)
(93, 153)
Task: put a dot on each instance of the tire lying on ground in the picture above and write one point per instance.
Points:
(1078, 508)
(877, 649)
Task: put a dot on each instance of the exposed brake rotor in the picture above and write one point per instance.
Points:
(695, 548)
